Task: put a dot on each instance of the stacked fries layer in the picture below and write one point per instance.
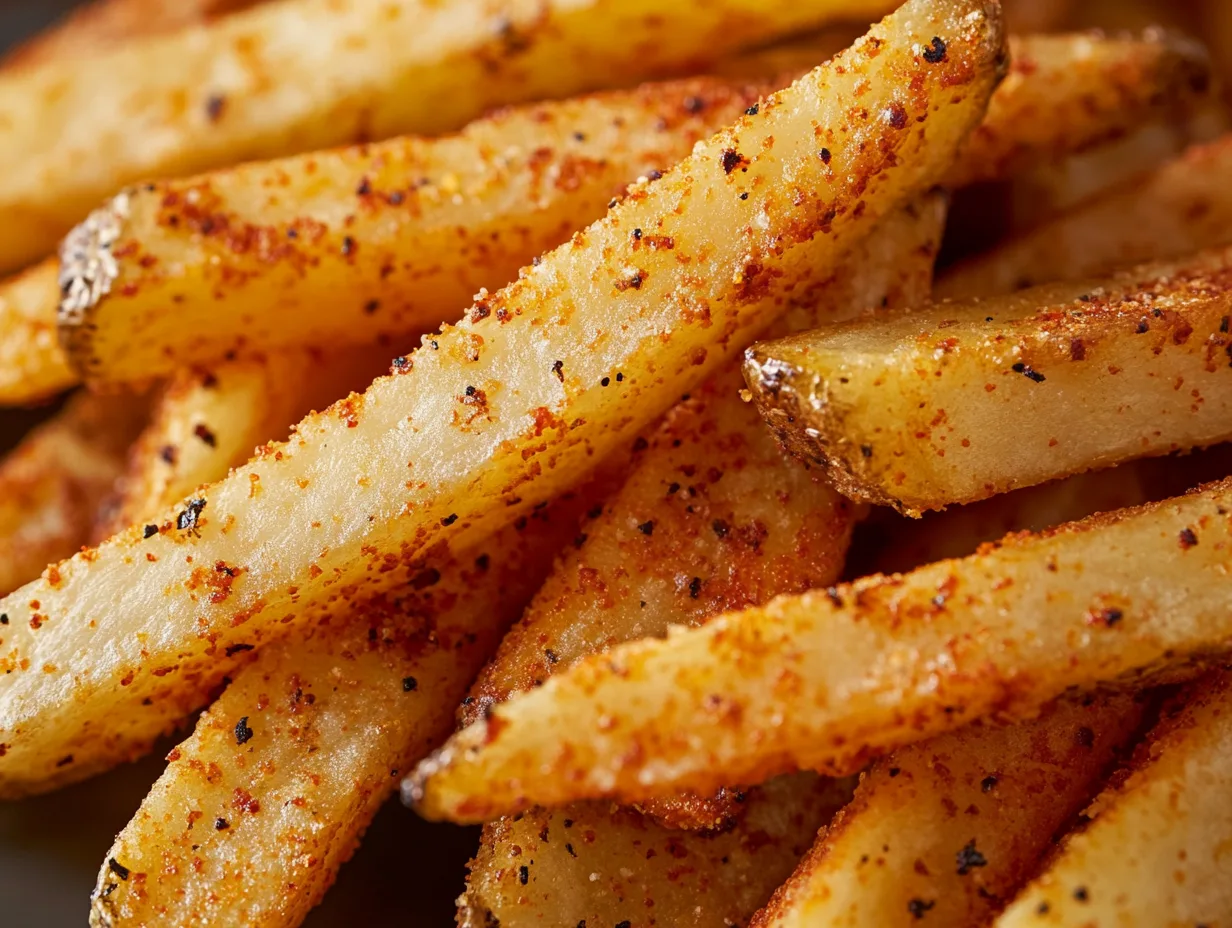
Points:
(544, 469)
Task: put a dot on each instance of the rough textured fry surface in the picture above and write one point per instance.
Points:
(959, 402)
(514, 405)
(1156, 853)
(865, 667)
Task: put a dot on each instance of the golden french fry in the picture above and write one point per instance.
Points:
(693, 532)
(824, 680)
(537, 869)
(948, 829)
(1157, 850)
(53, 482)
(386, 240)
(1181, 208)
(962, 401)
(33, 366)
(510, 408)
(1026, 16)
(285, 770)
(300, 75)
(207, 422)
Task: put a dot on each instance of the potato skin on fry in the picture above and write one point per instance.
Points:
(866, 667)
(961, 401)
(419, 459)
(1156, 852)
(949, 829)
(33, 366)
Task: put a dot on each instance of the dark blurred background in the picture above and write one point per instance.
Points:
(406, 873)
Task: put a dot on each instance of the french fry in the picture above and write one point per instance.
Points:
(825, 680)
(207, 422)
(962, 401)
(513, 406)
(1183, 207)
(52, 483)
(33, 366)
(391, 239)
(386, 240)
(269, 796)
(301, 75)
(105, 24)
(1157, 850)
(537, 868)
(1028, 16)
(949, 829)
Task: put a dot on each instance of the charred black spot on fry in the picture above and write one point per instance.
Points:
(191, 514)
(149, 531)
(409, 684)
(935, 53)
(1028, 372)
(243, 734)
(968, 858)
(919, 908)
(202, 431)
(1187, 538)
(235, 649)
(117, 868)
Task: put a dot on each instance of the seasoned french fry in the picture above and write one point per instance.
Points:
(385, 240)
(52, 483)
(300, 75)
(537, 869)
(105, 24)
(205, 423)
(510, 408)
(792, 56)
(1184, 206)
(962, 401)
(950, 829)
(1157, 851)
(824, 680)
(269, 796)
(692, 533)
(33, 366)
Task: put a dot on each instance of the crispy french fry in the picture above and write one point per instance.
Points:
(962, 401)
(1183, 207)
(1157, 851)
(950, 829)
(824, 680)
(33, 366)
(53, 482)
(105, 24)
(692, 533)
(792, 56)
(269, 796)
(605, 865)
(206, 423)
(385, 240)
(510, 408)
(300, 75)
(1028, 16)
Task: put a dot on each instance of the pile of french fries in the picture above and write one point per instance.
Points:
(763, 464)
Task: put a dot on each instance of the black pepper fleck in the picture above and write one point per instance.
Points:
(918, 907)
(968, 858)
(935, 53)
(149, 531)
(409, 684)
(243, 734)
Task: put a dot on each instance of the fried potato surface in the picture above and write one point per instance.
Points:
(207, 422)
(300, 75)
(949, 829)
(52, 483)
(825, 680)
(513, 406)
(269, 796)
(33, 366)
(1156, 853)
(606, 865)
(1183, 207)
(693, 532)
(379, 241)
(962, 401)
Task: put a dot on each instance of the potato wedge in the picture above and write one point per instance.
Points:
(692, 532)
(513, 406)
(207, 422)
(949, 829)
(962, 401)
(825, 680)
(105, 24)
(53, 482)
(269, 796)
(1183, 207)
(1027, 16)
(33, 366)
(1157, 851)
(606, 865)
(300, 75)
(380, 241)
